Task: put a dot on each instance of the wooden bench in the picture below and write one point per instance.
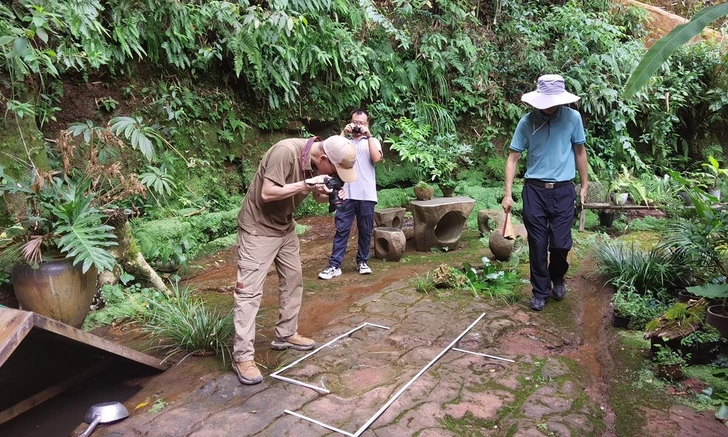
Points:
(610, 207)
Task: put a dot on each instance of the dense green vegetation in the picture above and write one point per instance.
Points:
(205, 73)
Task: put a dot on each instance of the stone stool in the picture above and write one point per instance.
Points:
(389, 217)
(489, 219)
(439, 222)
(389, 243)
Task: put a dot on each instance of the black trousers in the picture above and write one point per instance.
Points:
(548, 214)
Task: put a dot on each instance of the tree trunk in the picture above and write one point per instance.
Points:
(129, 257)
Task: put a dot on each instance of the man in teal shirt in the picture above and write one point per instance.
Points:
(553, 138)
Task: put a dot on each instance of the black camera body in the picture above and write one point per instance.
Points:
(356, 130)
(334, 183)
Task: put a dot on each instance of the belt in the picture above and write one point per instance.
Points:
(548, 185)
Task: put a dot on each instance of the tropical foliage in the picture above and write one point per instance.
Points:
(667, 45)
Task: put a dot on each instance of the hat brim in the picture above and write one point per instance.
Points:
(545, 101)
(346, 174)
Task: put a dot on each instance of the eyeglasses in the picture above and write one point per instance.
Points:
(359, 123)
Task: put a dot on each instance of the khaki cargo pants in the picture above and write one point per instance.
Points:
(255, 256)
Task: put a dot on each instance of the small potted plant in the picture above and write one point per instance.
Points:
(626, 305)
(669, 363)
(703, 344)
(619, 187)
(423, 191)
(624, 185)
(168, 258)
(447, 186)
(714, 175)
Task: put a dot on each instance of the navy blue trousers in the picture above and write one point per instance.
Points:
(548, 215)
(363, 211)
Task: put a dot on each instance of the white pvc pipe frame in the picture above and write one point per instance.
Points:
(396, 395)
(318, 389)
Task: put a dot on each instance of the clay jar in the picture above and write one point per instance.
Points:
(56, 289)
(491, 221)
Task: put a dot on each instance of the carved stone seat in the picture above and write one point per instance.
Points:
(439, 222)
(389, 217)
(389, 243)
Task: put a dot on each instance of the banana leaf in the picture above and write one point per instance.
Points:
(668, 44)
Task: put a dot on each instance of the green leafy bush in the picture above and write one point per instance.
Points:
(393, 174)
(392, 198)
(121, 303)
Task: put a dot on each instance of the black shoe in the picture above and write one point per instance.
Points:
(537, 303)
(559, 291)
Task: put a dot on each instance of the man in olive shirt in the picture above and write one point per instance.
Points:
(288, 172)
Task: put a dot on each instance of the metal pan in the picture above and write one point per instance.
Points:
(105, 412)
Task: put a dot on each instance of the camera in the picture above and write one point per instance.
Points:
(334, 183)
(356, 130)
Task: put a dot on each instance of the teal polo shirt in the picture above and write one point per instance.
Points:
(550, 142)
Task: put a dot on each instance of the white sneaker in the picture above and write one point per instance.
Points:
(329, 272)
(364, 269)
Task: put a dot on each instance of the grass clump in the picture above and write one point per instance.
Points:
(644, 270)
(185, 325)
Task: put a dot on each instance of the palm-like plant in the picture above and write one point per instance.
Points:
(701, 241)
(668, 44)
(58, 219)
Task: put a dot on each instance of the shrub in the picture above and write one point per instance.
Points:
(392, 198)
(394, 174)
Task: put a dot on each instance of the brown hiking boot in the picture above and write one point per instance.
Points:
(247, 372)
(296, 341)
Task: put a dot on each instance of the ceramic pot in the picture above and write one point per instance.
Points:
(717, 316)
(620, 198)
(606, 218)
(685, 198)
(715, 193)
(684, 296)
(703, 353)
(447, 191)
(671, 372)
(620, 321)
(56, 289)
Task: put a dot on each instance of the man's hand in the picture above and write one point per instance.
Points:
(318, 184)
(582, 193)
(317, 180)
(507, 203)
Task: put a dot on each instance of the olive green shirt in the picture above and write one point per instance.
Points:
(282, 164)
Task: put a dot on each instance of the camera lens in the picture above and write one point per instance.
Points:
(356, 130)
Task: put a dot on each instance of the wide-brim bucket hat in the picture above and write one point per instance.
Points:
(550, 91)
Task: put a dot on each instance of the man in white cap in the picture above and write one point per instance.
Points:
(288, 172)
(553, 137)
